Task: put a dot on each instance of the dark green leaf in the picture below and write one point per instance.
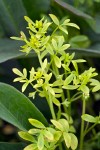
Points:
(9, 49)
(72, 9)
(12, 16)
(11, 146)
(36, 7)
(17, 108)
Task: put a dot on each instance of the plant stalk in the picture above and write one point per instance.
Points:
(82, 125)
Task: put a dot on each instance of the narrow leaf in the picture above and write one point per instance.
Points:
(26, 136)
(89, 118)
(36, 123)
(54, 19)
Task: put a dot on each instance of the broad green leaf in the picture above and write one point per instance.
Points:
(40, 143)
(16, 108)
(74, 141)
(57, 124)
(12, 16)
(26, 136)
(54, 19)
(11, 146)
(89, 118)
(31, 147)
(67, 139)
(36, 123)
(10, 50)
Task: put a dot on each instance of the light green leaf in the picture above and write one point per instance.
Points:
(64, 47)
(55, 101)
(54, 19)
(74, 141)
(40, 143)
(65, 124)
(69, 79)
(48, 135)
(96, 88)
(57, 61)
(67, 139)
(71, 87)
(57, 124)
(16, 108)
(50, 49)
(16, 71)
(28, 19)
(36, 123)
(89, 118)
(54, 43)
(57, 135)
(26, 136)
(34, 131)
(31, 147)
(63, 29)
(73, 25)
(24, 86)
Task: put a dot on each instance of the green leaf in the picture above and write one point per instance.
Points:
(69, 79)
(11, 146)
(31, 147)
(54, 19)
(72, 9)
(57, 61)
(36, 123)
(65, 124)
(26, 136)
(17, 108)
(12, 16)
(89, 118)
(67, 139)
(40, 143)
(63, 29)
(71, 87)
(74, 141)
(55, 101)
(48, 135)
(57, 124)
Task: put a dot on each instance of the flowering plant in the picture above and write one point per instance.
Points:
(59, 82)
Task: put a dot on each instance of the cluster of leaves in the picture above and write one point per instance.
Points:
(42, 82)
(48, 138)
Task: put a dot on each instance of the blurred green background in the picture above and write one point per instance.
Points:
(85, 43)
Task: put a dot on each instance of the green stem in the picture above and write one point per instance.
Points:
(82, 125)
(51, 107)
(89, 129)
(39, 57)
(60, 147)
(55, 69)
